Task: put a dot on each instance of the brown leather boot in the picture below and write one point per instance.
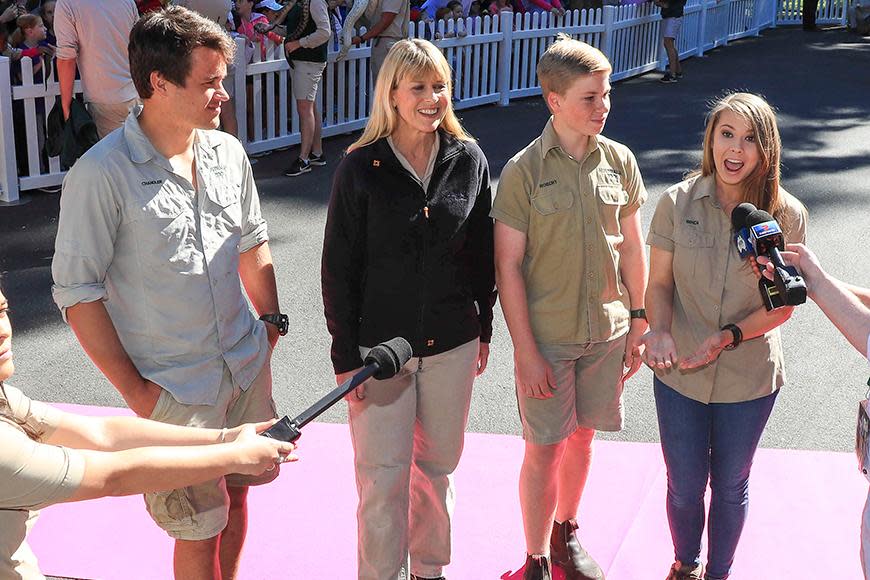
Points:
(569, 555)
(537, 568)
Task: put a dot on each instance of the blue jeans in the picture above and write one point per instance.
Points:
(715, 442)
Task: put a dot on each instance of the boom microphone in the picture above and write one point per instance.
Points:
(382, 362)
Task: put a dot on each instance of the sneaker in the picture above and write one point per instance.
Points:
(537, 568)
(680, 571)
(679, 75)
(298, 167)
(320, 160)
(50, 189)
(569, 555)
(667, 78)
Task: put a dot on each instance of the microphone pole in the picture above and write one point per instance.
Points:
(382, 362)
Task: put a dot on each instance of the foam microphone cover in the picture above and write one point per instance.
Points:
(740, 214)
(390, 356)
(759, 216)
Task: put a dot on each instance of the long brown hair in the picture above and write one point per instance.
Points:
(761, 188)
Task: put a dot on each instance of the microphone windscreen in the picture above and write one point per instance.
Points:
(759, 216)
(739, 215)
(390, 356)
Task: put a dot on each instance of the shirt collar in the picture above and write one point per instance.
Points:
(705, 186)
(550, 141)
(143, 151)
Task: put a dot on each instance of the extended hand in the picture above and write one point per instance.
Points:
(709, 350)
(257, 454)
(660, 350)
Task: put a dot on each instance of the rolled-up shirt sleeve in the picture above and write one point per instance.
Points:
(320, 15)
(85, 243)
(65, 31)
(254, 229)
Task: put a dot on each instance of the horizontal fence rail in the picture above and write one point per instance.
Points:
(493, 60)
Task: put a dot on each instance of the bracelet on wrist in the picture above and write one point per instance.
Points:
(736, 334)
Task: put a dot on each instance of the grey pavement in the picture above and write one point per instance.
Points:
(817, 81)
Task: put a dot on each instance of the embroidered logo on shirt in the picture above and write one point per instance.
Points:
(154, 182)
(547, 183)
(609, 176)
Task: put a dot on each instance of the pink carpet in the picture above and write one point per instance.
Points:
(803, 524)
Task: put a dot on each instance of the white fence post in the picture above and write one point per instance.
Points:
(240, 98)
(702, 29)
(8, 164)
(506, 25)
(609, 12)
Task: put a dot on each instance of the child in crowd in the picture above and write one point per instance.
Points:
(46, 12)
(571, 273)
(247, 26)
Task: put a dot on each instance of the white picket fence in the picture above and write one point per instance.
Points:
(493, 59)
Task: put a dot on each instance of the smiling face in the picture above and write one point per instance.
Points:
(735, 150)
(7, 367)
(584, 106)
(421, 103)
(198, 102)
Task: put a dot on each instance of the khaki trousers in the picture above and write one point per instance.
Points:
(407, 437)
(380, 47)
(109, 116)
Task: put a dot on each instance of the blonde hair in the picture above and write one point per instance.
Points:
(24, 22)
(408, 58)
(565, 60)
(761, 187)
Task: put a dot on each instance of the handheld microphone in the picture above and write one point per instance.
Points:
(766, 239)
(382, 362)
(741, 233)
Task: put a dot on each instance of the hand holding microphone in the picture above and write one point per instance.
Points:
(758, 234)
(801, 257)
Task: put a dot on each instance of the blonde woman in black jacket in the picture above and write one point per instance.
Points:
(408, 251)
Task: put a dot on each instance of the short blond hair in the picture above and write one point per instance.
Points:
(565, 60)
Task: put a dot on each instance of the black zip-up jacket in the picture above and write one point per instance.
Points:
(400, 261)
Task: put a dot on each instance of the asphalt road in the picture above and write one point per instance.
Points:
(817, 81)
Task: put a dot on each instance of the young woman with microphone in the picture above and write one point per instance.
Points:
(713, 346)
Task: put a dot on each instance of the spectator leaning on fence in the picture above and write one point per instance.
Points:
(387, 24)
(93, 35)
(554, 7)
(672, 24)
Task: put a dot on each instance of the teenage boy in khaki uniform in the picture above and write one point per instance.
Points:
(571, 272)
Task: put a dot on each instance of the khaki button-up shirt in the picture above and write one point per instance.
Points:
(713, 287)
(570, 211)
(32, 476)
(164, 256)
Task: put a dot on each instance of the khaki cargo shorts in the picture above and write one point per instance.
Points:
(305, 77)
(200, 512)
(588, 392)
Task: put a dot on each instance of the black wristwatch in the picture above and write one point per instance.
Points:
(279, 321)
(639, 313)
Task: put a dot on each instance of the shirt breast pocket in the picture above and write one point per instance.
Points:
(225, 194)
(611, 199)
(693, 252)
(551, 202)
(165, 220)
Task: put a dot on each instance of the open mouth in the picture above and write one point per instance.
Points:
(433, 112)
(733, 165)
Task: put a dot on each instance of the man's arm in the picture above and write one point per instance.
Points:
(633, 272)
(258, 276)
(95, 331)
(375, 31)
(66, 75)
(67, 53)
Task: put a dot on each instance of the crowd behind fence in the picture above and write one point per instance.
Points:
(494, 62)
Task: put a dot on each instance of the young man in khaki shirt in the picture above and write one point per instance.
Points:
(570, 267)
